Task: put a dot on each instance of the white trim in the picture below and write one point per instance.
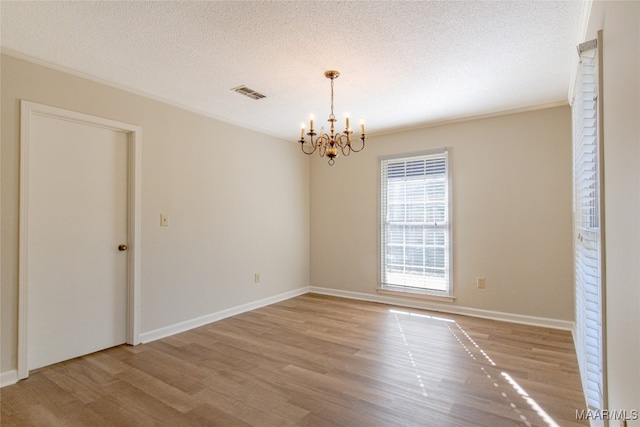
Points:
(453, 309)
(147, 95)
(416, 294)
(27, 110)
(25, 137)
(392, 130)
(177, 328)
(8, 378)
(574, 337)
(497, 113)
(134, 236)
(11, 377)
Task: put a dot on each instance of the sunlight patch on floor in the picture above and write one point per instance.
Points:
(470, 346)
(534, 405)
(411, 359)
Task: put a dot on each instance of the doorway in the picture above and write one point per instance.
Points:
(79, 235)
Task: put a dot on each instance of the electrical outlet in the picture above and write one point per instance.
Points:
(256, 278)
(481, 283)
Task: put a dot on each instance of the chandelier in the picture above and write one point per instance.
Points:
(328, 144)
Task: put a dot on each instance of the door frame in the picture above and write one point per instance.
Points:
(29, 109)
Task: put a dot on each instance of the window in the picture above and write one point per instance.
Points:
(588, 247)
(415, 235)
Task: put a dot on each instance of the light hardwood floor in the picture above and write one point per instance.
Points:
(316, 360)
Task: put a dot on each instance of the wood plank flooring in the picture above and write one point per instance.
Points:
(316, 361)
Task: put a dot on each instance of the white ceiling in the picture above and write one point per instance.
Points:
(402, 64)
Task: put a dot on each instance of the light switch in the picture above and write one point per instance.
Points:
(164, 220)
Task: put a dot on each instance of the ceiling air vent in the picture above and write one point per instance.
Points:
(243, 90)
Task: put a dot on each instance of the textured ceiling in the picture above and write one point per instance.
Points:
(402, 64)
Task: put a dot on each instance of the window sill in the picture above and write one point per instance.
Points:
(416, 294)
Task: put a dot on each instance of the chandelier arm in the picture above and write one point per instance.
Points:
(362, 138)
(337, 139)
(304, 142)
(305, 151)
(321, 143)
(343, 142)
(322, 149)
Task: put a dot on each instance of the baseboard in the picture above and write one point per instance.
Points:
(448, 308)
(166, 331)
(8, 378)
(11, 377)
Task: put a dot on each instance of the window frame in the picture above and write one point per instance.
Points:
(425, 293)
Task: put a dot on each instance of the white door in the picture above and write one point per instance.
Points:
(77, 218)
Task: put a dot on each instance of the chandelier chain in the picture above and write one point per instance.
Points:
(332, 116)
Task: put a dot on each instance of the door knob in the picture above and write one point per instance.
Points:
(123, 247)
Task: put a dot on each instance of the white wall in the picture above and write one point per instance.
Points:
(511, 212)
(237, 202)
(620, 22)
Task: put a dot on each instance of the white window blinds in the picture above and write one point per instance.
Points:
(415, 225)
(587, 228)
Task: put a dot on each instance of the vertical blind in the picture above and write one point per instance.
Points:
(587, 229)
(415, 226)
